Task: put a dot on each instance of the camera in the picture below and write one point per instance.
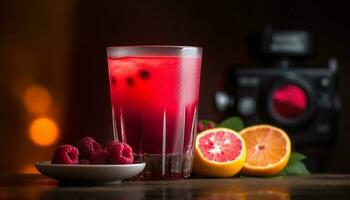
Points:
(282, 91)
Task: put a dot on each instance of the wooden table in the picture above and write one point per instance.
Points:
(316, 186)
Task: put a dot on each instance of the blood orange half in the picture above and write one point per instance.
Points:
(219, 152)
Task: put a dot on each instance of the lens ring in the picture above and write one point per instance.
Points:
(309, 95)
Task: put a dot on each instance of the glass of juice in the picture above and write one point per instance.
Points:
(154, 94)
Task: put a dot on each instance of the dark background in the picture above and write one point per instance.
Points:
(61, 44)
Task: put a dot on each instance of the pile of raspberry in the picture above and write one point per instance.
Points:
(205, 125)
(88, 151)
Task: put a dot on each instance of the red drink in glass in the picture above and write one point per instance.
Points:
(154, 93)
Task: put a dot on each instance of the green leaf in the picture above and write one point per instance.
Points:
(295, 156)
(295, 168)
(295, 165)
(205, 121)
(234, 123)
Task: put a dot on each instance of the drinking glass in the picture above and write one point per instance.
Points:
(154, 94)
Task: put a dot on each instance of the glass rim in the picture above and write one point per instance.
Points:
(154, 46)
(136, 50)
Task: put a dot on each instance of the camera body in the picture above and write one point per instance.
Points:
(300, 100)
(282, 91)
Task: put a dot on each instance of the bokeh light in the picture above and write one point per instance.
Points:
(44, 131)
(36, 99)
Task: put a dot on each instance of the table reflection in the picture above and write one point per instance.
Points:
(153, 191)
(109, 192)
(311, 187)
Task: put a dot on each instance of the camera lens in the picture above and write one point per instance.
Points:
(289, 102)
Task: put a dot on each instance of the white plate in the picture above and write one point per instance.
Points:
(89, 174)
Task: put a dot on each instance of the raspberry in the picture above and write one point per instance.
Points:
(205, 125)
(87, 146)
(66, 154)
(144, 74)
(114, 81)
(120, 153)
(99, 157)
(130, 81)
(84, 162)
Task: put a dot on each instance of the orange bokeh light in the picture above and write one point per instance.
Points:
(44, 131)
(36, 99)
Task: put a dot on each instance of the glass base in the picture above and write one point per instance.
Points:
(167, 167)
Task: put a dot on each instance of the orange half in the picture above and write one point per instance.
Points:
(268, 150)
